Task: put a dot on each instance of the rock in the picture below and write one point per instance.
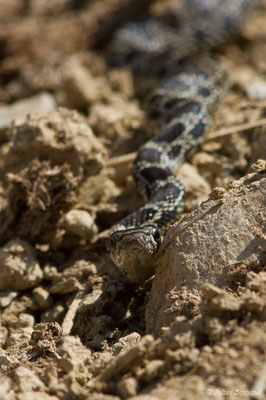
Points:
(73, 354)
(39, 104)
(128, 387)
(3, 335)
(42, 297)
(61, 136)
(6, 391)
(19, 268)
(37, 198)
(27, 380)
(55, 313)
(256, 282)
(68, 285)
(80, 223)
(90, 300)
(7, 361)
(79, 87)
(256, 89)
(210, 291)
(202, 247)
(6, 297)
(20, 333)
(45, 338)
(126, 342)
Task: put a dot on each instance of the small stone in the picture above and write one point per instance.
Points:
(42, 297)
(27, 380)
(89, 300)
(68, 285)
(217, 193)
(253, 303)
(256, 89)
(79, 222)
(53, 314)
(126, 342)
(152, 370)
(207, 349)
(19, 268)
(3, 336)
(223, 302)
(6, 297)
(73, 354)
(25, 321)
(210, 291)
(256, 282)
(6, 391)
(258, 166)
(127, 387)
(7, 361)
(79, 88)
(39, 104)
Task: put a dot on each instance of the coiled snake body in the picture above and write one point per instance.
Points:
(191, 87)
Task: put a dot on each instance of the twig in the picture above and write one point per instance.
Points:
(120, 160)
(129, 158)
(70, 315)
(235, 129)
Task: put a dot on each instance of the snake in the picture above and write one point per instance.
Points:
(171, 48)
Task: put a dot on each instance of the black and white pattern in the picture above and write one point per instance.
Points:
(191, 87)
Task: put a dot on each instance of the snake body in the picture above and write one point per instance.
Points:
(191, 87)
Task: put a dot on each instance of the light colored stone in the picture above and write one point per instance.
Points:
(6, 391)
(80, 88)
(68, 285)
(19, 268)
(27, 380)
(79, 222)
(128, 387)
(126, 342)
(59, 136)
(73, 354)
(6, 297)
(38, 104)
(256, 89)
(202, 247)
(42, 297)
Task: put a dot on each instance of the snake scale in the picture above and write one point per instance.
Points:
(169, 47)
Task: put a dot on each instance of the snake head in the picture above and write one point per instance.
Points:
(133, 250)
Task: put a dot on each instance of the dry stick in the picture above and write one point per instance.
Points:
(71, 313)
(121, 160)
(129, 158)
(236, 129)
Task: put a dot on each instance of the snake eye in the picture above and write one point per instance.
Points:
(112, 241)
(156, 235)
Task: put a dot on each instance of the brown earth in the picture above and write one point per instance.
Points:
(72, 327)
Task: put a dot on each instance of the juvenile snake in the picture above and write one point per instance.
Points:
(191, 85)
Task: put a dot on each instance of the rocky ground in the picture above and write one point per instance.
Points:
(72, 327)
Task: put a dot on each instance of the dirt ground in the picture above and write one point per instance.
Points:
(72, 327)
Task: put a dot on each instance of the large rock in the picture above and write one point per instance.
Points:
(204, 247)
(60, 136)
